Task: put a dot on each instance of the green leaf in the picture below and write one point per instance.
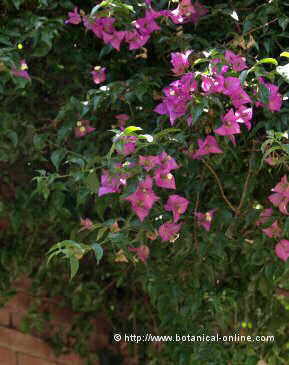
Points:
(130, 130)
(74, 266)
(283, 22)
(13, 137)
(17, 3)
(167, 131)
(264, 94)
(98, 251)
(197, 111)
(284, 54)
(147, 137)
(91, 181)
(243, 75)
(268, 60)
(56, 157)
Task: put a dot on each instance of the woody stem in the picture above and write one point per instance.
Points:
(220, 186)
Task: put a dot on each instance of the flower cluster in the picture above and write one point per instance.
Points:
(177, 96)
(158, 171)
(209, 145)
(111, 183)
(22, 71)
(98, 74)
(205, 219)
(181, 93)
(274, 97)
(280, 199)
(142, 252)
(104, 27)
(83, 128)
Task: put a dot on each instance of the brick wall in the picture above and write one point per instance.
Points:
(17, 348)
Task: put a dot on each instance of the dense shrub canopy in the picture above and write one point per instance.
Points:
(146, 143)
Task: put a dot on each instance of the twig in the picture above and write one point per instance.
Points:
(261, 26)
(220, 186)
(245, 189)
(254, 29)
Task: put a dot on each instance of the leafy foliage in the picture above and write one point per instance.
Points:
(225, 279)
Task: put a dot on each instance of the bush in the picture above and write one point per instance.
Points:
(141, 142)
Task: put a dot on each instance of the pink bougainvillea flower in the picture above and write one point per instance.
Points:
(212, 85)
(240, 98)
(278, 200)
(73, 17)
(166, 162)
(264, 216)
(168, 231)
(114, 39)
(244, 115)
(86, 223)
(140, 209)
(180, 62)
(142, 252)
(209, 145)
(22, 72)
(282, 249)
(282, 187)
(200, 10)
(143, 198)
(273, 231)
(106, 25)
(83, 128)
(147, 25)
(148, 162)
(135, 39)
(122, 119)
(186, 12)
(230, 125)
(238, 62)
(128, 146)
(272, 161)
(177, 204)
(274, 99)
(110, 184)
(232, 85)
(98, 74)
(205, 219)
(177, 96)
(216, 69)
(173, 107)
(164, 179)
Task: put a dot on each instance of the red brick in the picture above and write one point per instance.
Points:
(31, 360)
(4, 316)
(7, 357)
(99, 337)
(29, 345)
(22, 283)
(19, 303)
(25, 343)
(16, 319)
(70, 359)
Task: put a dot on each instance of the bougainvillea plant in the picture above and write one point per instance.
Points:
(146, 136)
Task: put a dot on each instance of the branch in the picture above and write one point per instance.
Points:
(220, 187)
(245, 189)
